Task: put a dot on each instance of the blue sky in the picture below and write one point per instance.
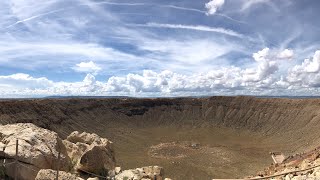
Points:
(159, 48)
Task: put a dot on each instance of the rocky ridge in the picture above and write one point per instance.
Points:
(301, 166)
(82, 155)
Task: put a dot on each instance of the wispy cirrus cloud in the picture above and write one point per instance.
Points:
(182, 51)
(34, 17)
(191, 27)
(247, 4)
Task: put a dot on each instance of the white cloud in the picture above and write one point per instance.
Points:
(266, 66)
(51, 40)
(21, 80)
(258, 80)
(307, 74)
(261, 55)
(268, 54)
(195, 27)
(213, 6)
(34, 17)
(164, 83)
(29, 55)
(87, 67)
(268, 63)
(185, 64)
(249, 3)
(263, 71)
(67, 48)
(190, 56)
(286, 54)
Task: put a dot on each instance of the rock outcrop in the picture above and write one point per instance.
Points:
(90, 153)
(48, 174)
(38, 148)
(149, 172)
(81, 155)
(300, 166)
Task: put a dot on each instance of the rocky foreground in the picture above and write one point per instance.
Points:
(80, 156)
(302, 166)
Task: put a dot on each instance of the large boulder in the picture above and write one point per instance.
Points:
(48, 174)
(149, 172)
(38, 148)
(90, 152)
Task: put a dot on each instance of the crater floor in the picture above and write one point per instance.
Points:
(195, 153)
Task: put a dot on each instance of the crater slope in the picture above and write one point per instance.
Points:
(192, 138)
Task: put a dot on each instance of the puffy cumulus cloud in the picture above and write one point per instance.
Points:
(225, 80)
(149, 83)
(261, 55)
(267, 54)
(87, 67)
(21, 85)
(261, 72)
(24, 85)
(286, 54)
(21, 80)
(307, 74)
(171, 83)
(213, 6)
(261, 79)
(268, 62)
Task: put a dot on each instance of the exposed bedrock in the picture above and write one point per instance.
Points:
(37, 149)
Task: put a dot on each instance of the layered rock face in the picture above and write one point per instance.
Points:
(37, 148)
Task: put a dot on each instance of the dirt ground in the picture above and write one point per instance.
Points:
(216, 152)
